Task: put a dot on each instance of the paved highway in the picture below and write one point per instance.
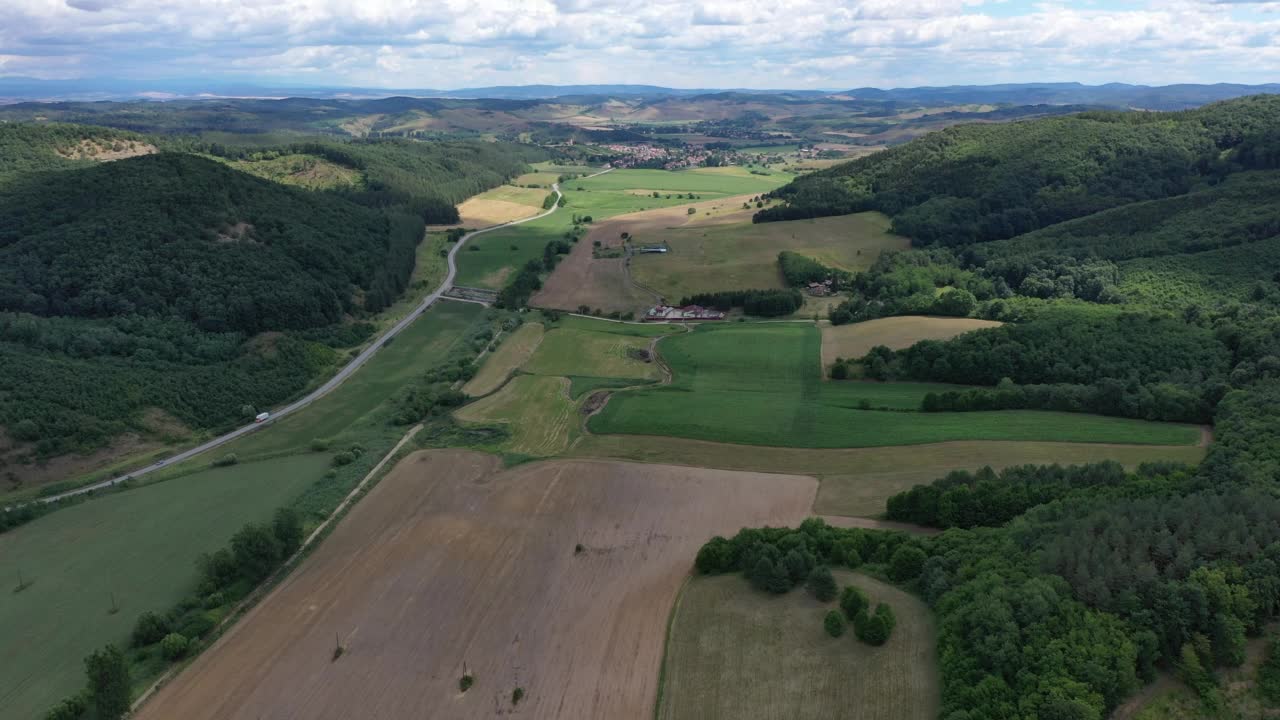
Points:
(347, 371)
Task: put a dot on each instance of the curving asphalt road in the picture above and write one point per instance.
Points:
(347, 371)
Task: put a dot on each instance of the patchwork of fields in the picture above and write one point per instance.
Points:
(760, 384)
(452, 563)
(735, 652)
(491, 259)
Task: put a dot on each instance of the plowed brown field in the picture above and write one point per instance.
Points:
(451, 560)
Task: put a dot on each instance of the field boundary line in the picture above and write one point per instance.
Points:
(666, 647)
(288, 566)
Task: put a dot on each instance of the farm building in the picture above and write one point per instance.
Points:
(666, 313)
(821, 289)
(653, 249)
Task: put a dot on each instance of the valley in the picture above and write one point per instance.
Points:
(1018, 399)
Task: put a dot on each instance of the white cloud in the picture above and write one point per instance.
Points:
(706, 43)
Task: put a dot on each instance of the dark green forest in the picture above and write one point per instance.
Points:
(173, 282)
(1135, 258)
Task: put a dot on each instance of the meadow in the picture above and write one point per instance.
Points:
(736, 652)
(761, 384)
(542, 419)
(745, 255)
(136, 549)
(570, 352)
(499, 205)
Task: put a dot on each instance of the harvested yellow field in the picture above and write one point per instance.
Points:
(499, 205)
(734, 652)
(856, 339)
(858, 481)
(537, 410)
(452, 562)
(511, 354)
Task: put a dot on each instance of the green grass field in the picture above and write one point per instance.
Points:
(760, 384)
(745, 255)
(139, 545)
(569, 351)
(734, 652)
(497, 366)
(697, 181)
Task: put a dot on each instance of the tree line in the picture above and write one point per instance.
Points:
(760, 303)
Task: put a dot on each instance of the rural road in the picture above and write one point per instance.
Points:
(347, 371)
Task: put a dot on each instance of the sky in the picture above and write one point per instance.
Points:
(796, 44)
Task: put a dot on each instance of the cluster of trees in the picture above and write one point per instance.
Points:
(432, 394)
(226, 576)
(761, 303)
(987, 498)
(800, 270)
(1115, 363)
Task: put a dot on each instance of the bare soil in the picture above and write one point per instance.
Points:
(450, 561)
(605, 283)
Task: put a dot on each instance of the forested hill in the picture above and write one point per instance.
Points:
(973, 183)
(180, 236)
(27, 148)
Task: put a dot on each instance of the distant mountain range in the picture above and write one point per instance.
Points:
(16, 89)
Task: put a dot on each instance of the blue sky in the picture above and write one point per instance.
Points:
(681, 43)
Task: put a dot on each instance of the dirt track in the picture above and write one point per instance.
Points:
(452, 560)
(603, 284)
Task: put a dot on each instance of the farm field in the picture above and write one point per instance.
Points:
(605, 283)
(450, 560)
(140, 546)
(697, 180)
(745, 255)
(856, 339)
(537, 409)
(569, 352)
(356, 403)
(857, 481)
(512, 352)
(498, 205)
(759, 384)
(735, 652)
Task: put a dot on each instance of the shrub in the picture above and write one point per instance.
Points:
(517, 695)
(174, 646)
(149, 628)
(853, 601)
(834, 624)
(287, 527)
(465, 682)
(343, 458)
(716, 556)
(822, 584)
(874, 629)
(225, 460)
(320, 444)
(109, 688)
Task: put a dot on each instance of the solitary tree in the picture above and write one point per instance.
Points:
(108, 673)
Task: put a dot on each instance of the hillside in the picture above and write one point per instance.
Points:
(972, 183)
(178, 236)
(27, 148)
